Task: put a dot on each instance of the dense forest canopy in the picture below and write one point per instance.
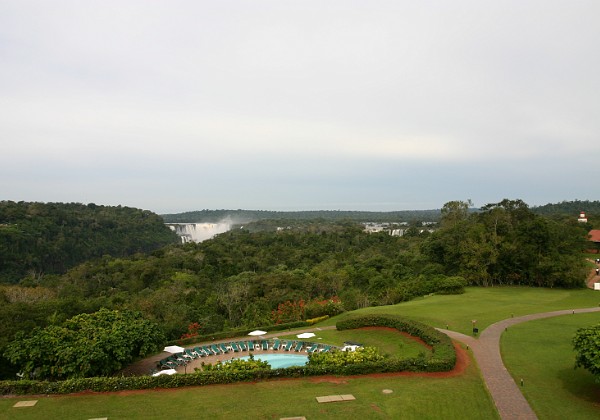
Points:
(246, 278)
(591, 208)
(245, 216)
(49, 238)
(564, 208)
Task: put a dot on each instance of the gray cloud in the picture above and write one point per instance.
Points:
(183, 105)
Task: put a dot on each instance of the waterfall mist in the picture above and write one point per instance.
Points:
(198, 232)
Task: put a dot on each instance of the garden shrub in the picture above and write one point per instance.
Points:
(422, 285)
(319, 307)
(454, 285)
(235, 364)
(343, 358)
(316, 320)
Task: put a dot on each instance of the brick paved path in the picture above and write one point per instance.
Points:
(507, 396)
(593, 277)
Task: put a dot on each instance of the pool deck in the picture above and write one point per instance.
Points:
(197, 363)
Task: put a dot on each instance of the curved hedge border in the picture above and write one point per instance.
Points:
(443, 358)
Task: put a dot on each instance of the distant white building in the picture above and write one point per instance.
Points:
(582, 217)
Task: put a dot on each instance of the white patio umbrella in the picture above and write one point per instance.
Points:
(174, 349)
(306, 335)
(257, 332)
(165, 372)
(350, 348)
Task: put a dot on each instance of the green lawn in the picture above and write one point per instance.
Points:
(388, 342)
(486, 305)
(540, 352)
(458, 397)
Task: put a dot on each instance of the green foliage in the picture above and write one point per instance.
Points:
(234, 282)
(443, 354)
(541, 352)
(45, 238)
(569, 208)
(506, 243)
(242, 332)
(324, 307)
(453, 285)
(85, 345)
(246, 216)
(317, 320)
(236, 365)
(586, 344)
(344, 358)
(362, 362)
(454, 212)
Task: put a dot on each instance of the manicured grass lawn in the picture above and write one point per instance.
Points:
(388, 342)
(457, 397)
(541, 353)
(486, 305)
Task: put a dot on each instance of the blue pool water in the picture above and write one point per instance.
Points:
(280, 360)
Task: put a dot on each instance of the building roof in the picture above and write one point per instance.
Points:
(594, 235)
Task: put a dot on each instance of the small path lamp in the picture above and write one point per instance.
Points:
(475, 329)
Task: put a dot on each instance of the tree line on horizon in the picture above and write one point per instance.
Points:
(243, 278)
(240, 216)
(247, 216)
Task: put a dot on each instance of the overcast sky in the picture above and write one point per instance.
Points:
(184, 105)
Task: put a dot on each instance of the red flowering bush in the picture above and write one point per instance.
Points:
(288, 312)
(321, 307)
(194, 330)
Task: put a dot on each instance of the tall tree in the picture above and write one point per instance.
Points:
(454, 212)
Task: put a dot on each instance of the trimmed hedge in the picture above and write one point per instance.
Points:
(107, 384)
(443, 358)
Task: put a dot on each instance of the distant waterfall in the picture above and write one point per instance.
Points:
(198, 232)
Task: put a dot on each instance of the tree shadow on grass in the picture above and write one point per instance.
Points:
(581, 384)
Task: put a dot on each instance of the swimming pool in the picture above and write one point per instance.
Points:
(280, 360)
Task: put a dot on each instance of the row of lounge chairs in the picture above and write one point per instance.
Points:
(291, 345)
(183, 358)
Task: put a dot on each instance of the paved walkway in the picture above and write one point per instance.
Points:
(507, 396)
(593, 277)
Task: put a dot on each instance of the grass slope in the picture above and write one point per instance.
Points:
(540, 352)
(387, 341)
(458, 397)
(486, 305)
